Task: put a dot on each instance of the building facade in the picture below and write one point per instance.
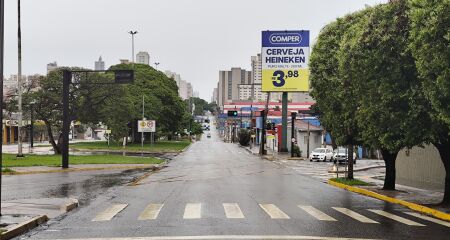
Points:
(51, 66)
(100, 64)
(143, 58)
(229, 82)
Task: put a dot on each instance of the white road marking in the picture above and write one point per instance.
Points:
(232, 210)
(319, 215)
(273, 211)
(109, 213)
(418, 215)
(396, 218)
(193, 211)
(354, 215)
(151, 212)
(226, 237)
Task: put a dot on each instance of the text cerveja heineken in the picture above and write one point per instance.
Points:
(285, 56)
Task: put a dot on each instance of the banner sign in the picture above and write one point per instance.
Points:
(285, 57)
(146, 126)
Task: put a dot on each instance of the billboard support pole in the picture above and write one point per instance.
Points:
(284, 117)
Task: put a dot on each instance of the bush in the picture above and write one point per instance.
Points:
(297, 151)
(244, 137)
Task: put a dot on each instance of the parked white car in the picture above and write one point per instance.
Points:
(321, 154)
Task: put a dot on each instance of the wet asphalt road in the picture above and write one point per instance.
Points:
(84, 185)
(219, 191)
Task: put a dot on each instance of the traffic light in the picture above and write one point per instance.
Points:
(232, 113)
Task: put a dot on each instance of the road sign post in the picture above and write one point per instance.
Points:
(121, 77)
(285, 57)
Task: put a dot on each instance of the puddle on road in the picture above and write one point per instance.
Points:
(87, 190)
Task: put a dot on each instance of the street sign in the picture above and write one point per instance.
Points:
(146, 126)
(269, 137)
(285, 57)
(124, 76)
(108, 131)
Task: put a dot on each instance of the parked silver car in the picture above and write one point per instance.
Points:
(340, 155)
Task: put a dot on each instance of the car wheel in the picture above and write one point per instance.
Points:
(310, 160)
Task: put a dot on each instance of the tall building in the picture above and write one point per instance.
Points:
(143, 57)
(100, 64)
(230, 82)
(190, 90)
(51, 66)
(214, 96)
(185, 89)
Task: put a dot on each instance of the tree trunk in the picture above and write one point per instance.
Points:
(389, 161)
(51, 139)
(350, 161)
(444, 152)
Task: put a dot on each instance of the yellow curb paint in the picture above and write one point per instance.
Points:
(413, 206)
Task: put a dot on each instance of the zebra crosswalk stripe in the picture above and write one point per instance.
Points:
(193, 211)
(396, 218)
(273, 211)
(110, 212)
(151, 212)
(354, 215)
(418, 215)
(319, 215)
(232, 210)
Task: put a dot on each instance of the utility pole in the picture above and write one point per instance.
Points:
(67, 79)
(132, 44)
(143, 118)
(293, 116)
(19, 81)
(2, 28)
(264, 113)
(284, 122)
(307, 144)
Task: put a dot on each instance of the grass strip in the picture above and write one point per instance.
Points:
(10, 160)
(351, 182)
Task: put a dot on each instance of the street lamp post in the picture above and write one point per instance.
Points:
(19, 81)
(132, 44)
(2, 25)
(156, 65)
(31, 124)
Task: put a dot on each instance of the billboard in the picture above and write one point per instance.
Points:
(285, 57)
(146, 126)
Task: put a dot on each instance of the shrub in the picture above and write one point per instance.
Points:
(244, 137)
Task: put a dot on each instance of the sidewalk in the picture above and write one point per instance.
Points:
(370, 171)
(20, 216)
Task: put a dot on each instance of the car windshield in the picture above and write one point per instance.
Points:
(319, 150)
(341, 151)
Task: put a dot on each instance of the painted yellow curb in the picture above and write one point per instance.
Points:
(413, 206)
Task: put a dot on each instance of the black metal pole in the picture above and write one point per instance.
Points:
(262, 151)
(31, 127)
(2, 25)
(67, 76)
(293, 115)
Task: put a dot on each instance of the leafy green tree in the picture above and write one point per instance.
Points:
(332, 87)
(385, 78)
(161, 99)
(430, 41)
(85, 100)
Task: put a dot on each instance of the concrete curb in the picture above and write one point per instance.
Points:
(76, 170)
(23, 227)
(70, 206)
(413, 206)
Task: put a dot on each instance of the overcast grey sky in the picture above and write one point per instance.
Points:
(195, 38)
